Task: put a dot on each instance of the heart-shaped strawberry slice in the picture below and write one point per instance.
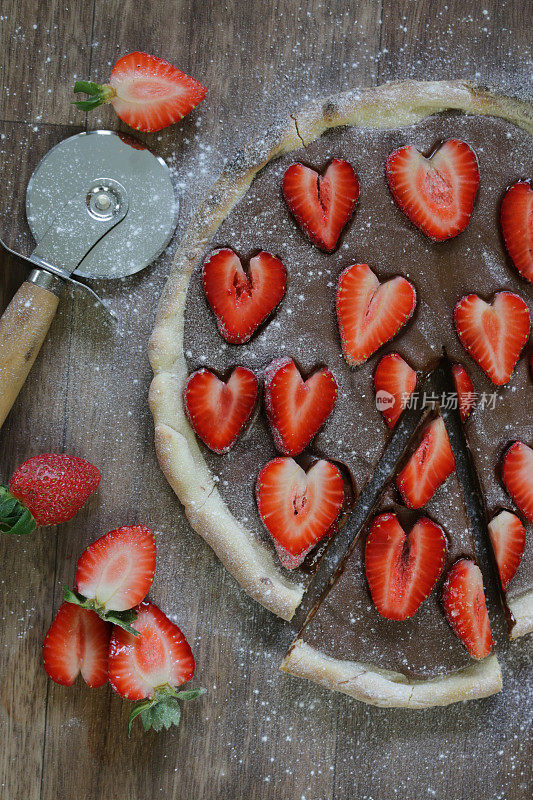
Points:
(402, 570)
(295, 408)
(466, 396)
(241, 302)
(219, 411)
(436, 193)
(321, 204)
(298, 508)
(370, 313)
(494, 334)
(429, 466)
(465, 607)
(517, 475)
(394, 383)
(516, 219)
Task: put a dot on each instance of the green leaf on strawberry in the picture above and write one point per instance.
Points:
(123, 619)
(163, 709)
(15, 518)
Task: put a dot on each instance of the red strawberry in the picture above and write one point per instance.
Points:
(429, 466)
(370, 313)
(402, 570)
(465, 390)
(508, 537)
(241, 302)
(494, 334)
(77, 641)
(464, 604)
(147, 92)
(298, 508)
(517, 475)
(394, 383)
(219, 411)
(150, 666)
(46, 490)
(297, 409)
(436, 193)
(117, 570)
(516, 219)
(321, 204)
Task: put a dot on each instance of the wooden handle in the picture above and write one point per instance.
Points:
(23, 326)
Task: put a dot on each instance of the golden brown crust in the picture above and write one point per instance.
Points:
(522, 610)
(392, 105)
(390, 689)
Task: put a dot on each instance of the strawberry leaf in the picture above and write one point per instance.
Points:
(163, 709)
(15, 518)
(123, 619)
(98, 94)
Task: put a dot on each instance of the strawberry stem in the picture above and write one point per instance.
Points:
(123, 619)
(98, 94)
(163, 709)
(15, 518)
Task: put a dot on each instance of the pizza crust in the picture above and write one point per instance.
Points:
(522, 610)
(392, 105)
(391, 689)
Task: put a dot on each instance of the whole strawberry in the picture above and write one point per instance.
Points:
(46, 490)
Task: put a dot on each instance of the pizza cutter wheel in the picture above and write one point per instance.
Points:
(99, 205)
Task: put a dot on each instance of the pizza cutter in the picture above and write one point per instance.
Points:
(99, 205)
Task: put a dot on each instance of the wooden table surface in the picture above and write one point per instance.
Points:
(256, 733)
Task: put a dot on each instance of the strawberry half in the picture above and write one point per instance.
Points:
(394, 383)
(219, 411)
(241, 302)
(493, 334)
(297, 409)
(508, 538)
(429, 466)
(370, 313)
(436, 193)
(516, 218)
(150, 666)
(517, 475)
(298, 508)
(146, 92)
(465, 607)
(77, 641)
(402, 570)
(115, 573)
(321, 204)
(46, 490)
(464, 387)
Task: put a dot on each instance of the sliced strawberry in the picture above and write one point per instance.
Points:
(517, 475)
(159, 657)
(116, 571)
(436, 193)
(508, 537)
(394, 383)
(321, 204)
(77, 641)
(429, 466)
(297, 409)
(219, 411)
(465, 607)
(146, 92)
(516, 219)
(241, 302)
(464, 387)
(370, 313)
(298, 508)
(494, 334)
(402, 570)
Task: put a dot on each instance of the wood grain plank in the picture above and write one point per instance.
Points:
(488, 42)
(256, 733)
(35, 425)
(46, 46)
